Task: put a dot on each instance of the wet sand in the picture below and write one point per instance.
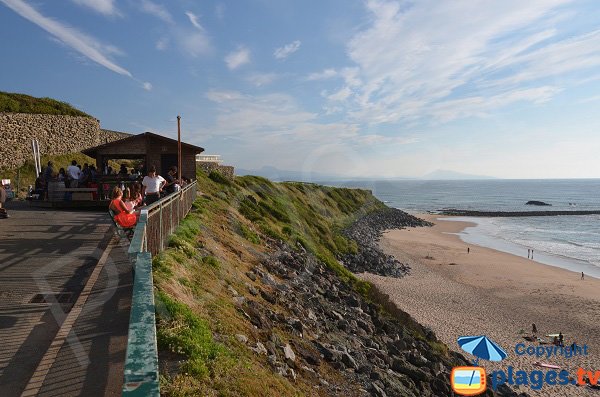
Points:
(488, 292)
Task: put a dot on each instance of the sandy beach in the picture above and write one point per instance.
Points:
(487, 292)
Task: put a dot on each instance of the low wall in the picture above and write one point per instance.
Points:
(55, 134)
(226, 170)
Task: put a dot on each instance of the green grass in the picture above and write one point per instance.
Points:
(182, 332)
(21, 103)
(209, 254)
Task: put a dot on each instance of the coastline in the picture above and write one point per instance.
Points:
(474, 235)
(493, 293)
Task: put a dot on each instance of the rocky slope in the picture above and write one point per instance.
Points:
(255, 303)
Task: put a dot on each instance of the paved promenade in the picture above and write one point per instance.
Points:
(65, 293)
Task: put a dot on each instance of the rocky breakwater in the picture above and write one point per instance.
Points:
(366, 232)
(310, 327)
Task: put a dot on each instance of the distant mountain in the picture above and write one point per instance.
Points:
(275, 174)
(453, 175)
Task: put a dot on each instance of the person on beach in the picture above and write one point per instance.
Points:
(561, 339)
(582, 276)
(531, 254)
(468, 249)
(528, 251)
(533, 330)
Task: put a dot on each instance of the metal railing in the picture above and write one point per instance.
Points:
(157, 221)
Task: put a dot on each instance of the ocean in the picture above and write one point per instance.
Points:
(571, 242)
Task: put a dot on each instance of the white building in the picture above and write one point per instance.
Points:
(209, 158)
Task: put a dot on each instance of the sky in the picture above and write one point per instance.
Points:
(373, 88)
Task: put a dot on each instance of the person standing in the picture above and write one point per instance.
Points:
(74, 173)
(3, 213)
(582, 276)
(172, 184)
(152, 186)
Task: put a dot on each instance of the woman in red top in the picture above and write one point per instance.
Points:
(124, 217)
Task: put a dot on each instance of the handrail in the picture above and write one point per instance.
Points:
(141, 361)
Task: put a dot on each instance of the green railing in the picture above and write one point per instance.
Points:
(156, 223)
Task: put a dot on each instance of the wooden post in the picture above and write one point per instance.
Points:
(179, 148)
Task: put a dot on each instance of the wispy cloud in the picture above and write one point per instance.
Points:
(82, 43)
(105, 7)
(426, 61)
(220, 11)
(157, 10)
(276, 128)
(287, 50)
(194, 20)
(237, 58)
(162, 43)
(193, 42)
(324, 75)
(262, 79)
(147, 86)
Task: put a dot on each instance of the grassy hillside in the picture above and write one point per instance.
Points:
(200, 277)
(21, 103)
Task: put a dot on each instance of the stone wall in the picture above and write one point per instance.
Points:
(55, 134)
(226, 170)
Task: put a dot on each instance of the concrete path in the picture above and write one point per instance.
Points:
(65, 294)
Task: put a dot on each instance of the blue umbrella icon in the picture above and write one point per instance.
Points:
(482, 347)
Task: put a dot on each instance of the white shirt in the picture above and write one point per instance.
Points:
(73, 172)
(153, 184)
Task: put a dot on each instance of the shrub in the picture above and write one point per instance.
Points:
(217, 177)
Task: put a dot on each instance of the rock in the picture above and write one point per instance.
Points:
(251, 276)
(377, 390)
(241, 338)
(269, 297)
(260, 349)
(536, 202)
(349, 361)
(289, 353)
(232, 290)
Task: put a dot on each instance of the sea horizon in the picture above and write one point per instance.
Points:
(566, 241)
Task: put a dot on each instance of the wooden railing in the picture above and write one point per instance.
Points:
(156, 223)
(164, 216)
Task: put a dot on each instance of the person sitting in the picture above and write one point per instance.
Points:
(123, 216)
(40, 186)
(123, 172)
(62, 175)
(129, 204)
(136, 194)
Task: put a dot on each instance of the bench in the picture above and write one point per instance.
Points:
(79, 193)
(121, 231)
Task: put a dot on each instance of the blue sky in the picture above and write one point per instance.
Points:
(388, 88)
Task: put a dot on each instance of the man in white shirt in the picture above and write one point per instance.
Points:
(74, 173)
(152, 186)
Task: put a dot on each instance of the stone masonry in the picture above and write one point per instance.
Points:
(55, 134)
